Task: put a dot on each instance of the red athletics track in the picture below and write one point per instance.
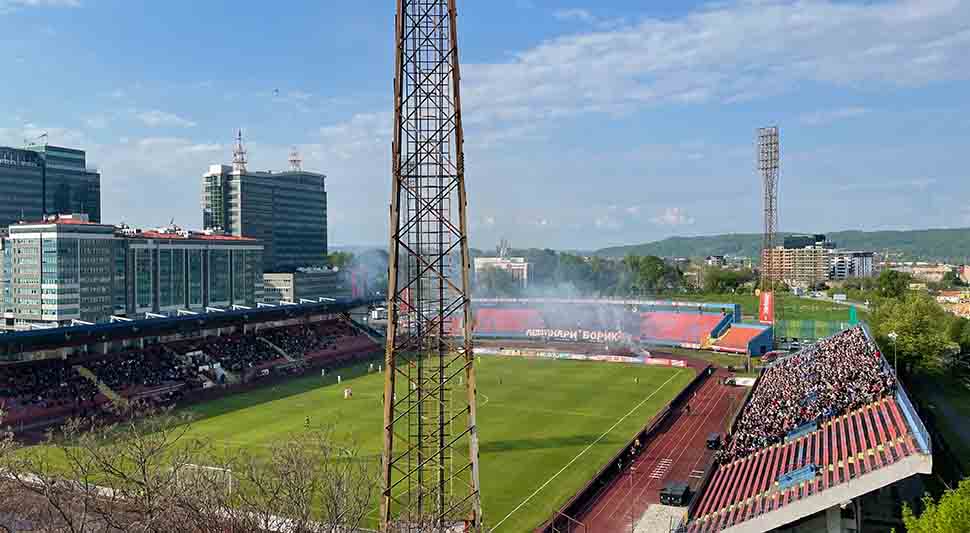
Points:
(676, 452)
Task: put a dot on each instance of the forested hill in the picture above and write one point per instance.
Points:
(952, 245)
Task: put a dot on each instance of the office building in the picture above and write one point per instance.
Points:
(850, 264)
(44, 179)
(67, 269)
(286, 211)
(518, 267)
(310, 284)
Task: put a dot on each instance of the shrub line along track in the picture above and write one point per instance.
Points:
(663, 457)
(586, 449)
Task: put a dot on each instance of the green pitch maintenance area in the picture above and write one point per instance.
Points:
(546, 426)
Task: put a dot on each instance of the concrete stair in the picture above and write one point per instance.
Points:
(278, 349)
(110, 393)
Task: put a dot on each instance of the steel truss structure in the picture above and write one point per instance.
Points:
(430, 458)
(768, 165)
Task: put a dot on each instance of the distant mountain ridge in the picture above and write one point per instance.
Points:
(950, 245)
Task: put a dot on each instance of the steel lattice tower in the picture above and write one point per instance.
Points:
(430, 459)
(768, 165)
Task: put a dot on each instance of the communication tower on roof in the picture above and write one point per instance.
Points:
(239, 154)
(296, 162)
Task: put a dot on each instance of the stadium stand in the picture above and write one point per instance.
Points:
(840, 373)
(50, 388)
(672, 328)
(44, 388)
(744, 339)
(491, 321)
(816, 420)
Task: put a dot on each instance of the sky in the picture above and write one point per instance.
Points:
(587, 124)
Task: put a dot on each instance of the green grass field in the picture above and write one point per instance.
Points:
(544, 414)
(788, 307)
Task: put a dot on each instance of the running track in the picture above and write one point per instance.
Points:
(676, 452)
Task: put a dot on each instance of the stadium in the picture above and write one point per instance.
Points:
(632, 438)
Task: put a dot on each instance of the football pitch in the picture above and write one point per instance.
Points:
(545, 426)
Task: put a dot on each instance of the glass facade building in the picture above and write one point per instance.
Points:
(46, 179)
(286, 211)
(70, 269)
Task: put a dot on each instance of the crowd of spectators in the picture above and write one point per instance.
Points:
(238, 353)
(44, 384)
(55, 383)
(829, 378)
(152, 366)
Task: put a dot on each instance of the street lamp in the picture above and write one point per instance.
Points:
(893, 336)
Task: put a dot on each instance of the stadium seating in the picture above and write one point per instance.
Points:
(52, 388)
(826, 379)
(816, 420)
(677, 328)
(499, 321)
(738, 339)
(43, 389)
(859, 442)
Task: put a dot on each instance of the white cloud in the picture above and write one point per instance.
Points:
(10, 4)
(673, 216)
(581, 15)
(97, 122)
(819, 118)
(362, 134)
(156, 118)
(733, 51)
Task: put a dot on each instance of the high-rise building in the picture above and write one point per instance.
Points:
(850, 264)
(44, 179)
(311, 284)
(806, 266)
(286, 211)
(68, 268)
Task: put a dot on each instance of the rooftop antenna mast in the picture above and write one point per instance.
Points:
(296, 162)
(239, 158)
(28, 142)
(430, 458)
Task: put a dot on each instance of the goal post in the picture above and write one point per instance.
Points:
(193, 476)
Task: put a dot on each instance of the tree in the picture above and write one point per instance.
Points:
(147, 474)
(951, 279)
(893, 284)
(921, 327)
(497, 283)
(720, 280)
(951, 514)
(318, 486)
(340, 260)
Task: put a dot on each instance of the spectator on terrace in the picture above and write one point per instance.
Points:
(834, 376)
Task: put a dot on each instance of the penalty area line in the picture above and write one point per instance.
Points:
(580, 454)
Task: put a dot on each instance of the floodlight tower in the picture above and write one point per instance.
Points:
(430, 458)
(768, 165)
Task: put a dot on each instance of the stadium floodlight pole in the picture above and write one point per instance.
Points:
(768, 166)
(430, 456)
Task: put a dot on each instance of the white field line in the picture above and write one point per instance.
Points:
(580, 454)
